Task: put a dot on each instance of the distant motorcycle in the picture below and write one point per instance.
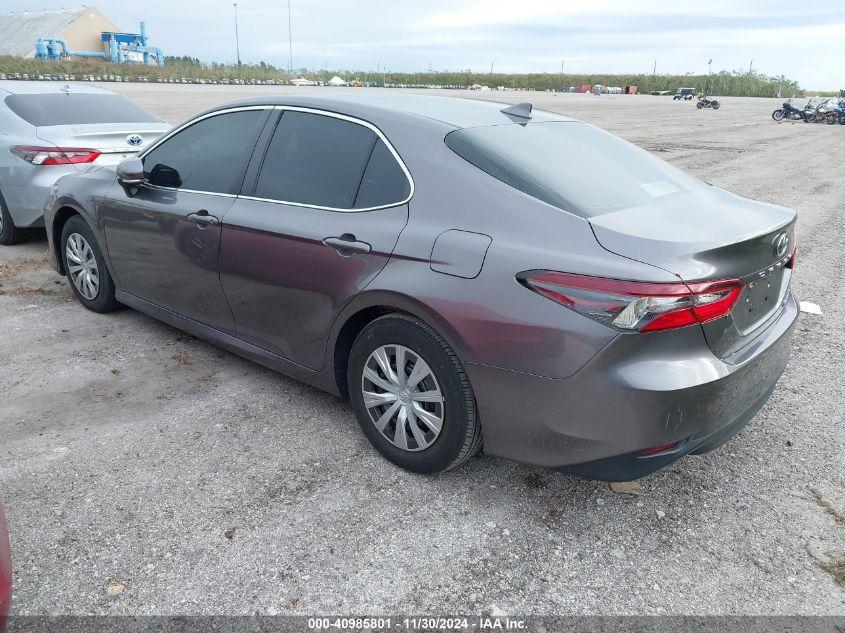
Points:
(789, 111)
(827, 112)
(706, 102)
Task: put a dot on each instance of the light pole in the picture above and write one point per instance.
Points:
(290, 44)
(237, 39)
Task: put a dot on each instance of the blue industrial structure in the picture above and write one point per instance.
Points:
(122, 48)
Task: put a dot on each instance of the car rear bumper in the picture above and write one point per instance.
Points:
(5, 572)
(26, 202)
(641, 391)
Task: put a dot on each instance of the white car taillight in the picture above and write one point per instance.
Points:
(54, 155)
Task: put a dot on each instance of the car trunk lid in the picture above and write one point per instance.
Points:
(708, 234)
(114, 141)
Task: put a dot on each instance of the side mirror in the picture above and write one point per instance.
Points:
(130, 172)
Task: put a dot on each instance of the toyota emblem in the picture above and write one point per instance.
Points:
(134, 139)
(781, 242)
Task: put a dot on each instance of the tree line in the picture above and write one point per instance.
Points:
(727, 83)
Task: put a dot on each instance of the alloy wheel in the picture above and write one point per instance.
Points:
(402, 397)
(82, 266)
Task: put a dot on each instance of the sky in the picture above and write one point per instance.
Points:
(803, 41)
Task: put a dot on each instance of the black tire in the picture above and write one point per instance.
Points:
(9, 233)
(830, 119)
(715, 105)
(104, 300)
(460, 434)
(842, 119)
(699, 105)
(778, 115)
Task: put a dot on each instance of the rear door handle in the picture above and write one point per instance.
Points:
(346, 244)
(203, 218)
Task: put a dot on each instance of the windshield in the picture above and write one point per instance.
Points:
(76, 109)
(571, 165)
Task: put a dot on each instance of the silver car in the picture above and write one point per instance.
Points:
(50, 130)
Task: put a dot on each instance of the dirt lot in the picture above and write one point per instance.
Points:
(144, 471)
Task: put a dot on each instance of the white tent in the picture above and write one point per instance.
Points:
(337, 81)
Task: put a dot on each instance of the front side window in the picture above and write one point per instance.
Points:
(324, 161)
(210, 155)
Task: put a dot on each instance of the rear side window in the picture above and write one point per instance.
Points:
(384, 183)
(76, 109)
(210, 155)
(328, 162)
(571, 165)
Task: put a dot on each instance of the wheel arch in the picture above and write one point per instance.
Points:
(65, 210)
(64, 214)
(369, 306)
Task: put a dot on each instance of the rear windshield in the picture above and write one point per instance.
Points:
(76, 109)
(571, 165)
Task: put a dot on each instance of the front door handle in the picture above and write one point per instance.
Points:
(346, 244)
(203, 218)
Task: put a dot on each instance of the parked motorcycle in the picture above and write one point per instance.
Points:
(706, 102)
(826, 112)
(789, 111)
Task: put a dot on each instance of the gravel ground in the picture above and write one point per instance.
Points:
(146, 472)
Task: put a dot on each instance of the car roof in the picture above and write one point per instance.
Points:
(13, 87)
(455, 112)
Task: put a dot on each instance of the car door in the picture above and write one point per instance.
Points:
(328, 204)
(163, 237)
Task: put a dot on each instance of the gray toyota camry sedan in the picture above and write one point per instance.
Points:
(468, 274)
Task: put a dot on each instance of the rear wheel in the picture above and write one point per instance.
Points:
(830, 119)
(699, 105)
(715, 105)
(86, 269)
(411, 395)
(778, 115)
(9, 233)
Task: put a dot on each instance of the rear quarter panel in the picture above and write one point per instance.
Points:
(491, 318)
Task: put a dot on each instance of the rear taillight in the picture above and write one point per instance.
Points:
(793, 260)
(634, 306)
(657, 450)
(54, 155)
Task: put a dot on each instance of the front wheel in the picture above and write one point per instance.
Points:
(778, 115)
(715, 105)
(842, 119)
(699, 105)
(830, 119)
(411, 395)
(85, 267)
